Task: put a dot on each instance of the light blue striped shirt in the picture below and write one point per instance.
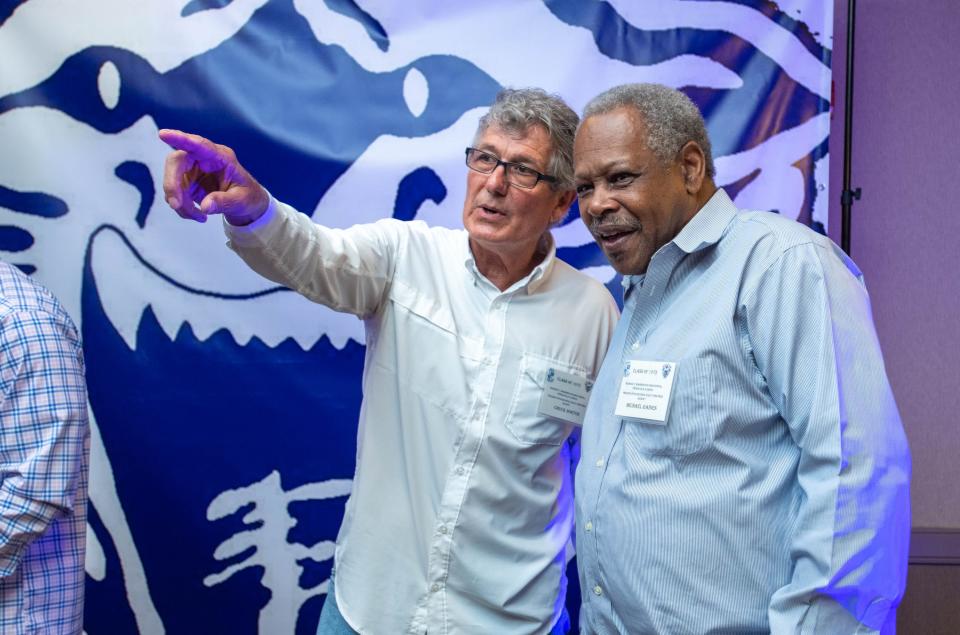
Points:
(776, 497)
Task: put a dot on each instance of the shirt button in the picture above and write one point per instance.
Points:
(436, 587)
(443, 529)
(460, 470)
(600, 462)
(588, 527)
(597, 590)
(635, 345)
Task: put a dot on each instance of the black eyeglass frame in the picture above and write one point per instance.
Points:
(506, 167)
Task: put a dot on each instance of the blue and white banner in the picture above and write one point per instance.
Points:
(224, 408)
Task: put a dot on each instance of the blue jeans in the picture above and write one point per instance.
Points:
(332, 622)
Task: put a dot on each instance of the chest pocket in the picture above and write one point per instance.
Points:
(523, 421)
(428, 356)
(692, 419)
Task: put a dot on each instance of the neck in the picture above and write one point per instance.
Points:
(505, 267)
(706, 193)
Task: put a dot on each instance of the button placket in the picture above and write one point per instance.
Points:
(654, 285)
(456, 489)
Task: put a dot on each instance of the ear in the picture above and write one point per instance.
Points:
(693, 165)
(563, 206)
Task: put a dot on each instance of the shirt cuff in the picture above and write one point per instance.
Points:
(257, 232)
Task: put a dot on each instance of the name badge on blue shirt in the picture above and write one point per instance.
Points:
(645, 390)
(565, 396)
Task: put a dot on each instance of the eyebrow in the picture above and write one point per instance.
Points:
(615, 165)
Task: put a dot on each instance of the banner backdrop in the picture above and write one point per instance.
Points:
(224, 408)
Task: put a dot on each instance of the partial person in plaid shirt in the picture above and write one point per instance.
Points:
(44, 450)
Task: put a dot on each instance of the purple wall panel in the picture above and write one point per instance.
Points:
(905, 228)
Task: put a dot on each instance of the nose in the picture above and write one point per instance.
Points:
(597, 203)
(497, 180)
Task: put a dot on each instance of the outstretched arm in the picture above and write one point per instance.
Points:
(346, 270)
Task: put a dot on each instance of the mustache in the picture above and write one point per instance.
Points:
(604, 226)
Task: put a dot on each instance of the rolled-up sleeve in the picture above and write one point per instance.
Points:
(43, 427)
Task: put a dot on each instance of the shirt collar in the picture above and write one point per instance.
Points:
(531, 282)
(704, 229)
(536, 278)
(708, 224)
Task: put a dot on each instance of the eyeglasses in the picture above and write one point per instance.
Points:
(515, 173)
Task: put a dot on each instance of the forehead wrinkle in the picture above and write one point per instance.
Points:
(621, 131)
(520, 153)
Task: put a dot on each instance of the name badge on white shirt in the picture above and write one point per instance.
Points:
(565, 396)
(645, 390)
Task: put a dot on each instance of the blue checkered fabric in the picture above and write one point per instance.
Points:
(44, 450)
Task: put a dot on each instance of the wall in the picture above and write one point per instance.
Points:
(905, 228)
(904, 237)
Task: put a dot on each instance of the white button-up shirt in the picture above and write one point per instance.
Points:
(462, 499)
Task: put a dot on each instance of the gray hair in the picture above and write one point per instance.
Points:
(671, 118)
(515, 110)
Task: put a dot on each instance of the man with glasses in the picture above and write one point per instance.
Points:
(475, 379)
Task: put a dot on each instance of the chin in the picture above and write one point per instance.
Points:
(617, 261)
(624, 266)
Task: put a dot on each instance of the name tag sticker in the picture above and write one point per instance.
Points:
(645, 390)
(565, 396)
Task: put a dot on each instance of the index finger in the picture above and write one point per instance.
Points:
(208, 155)
(175, 189)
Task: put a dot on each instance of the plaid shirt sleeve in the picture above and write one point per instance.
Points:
(43, 416)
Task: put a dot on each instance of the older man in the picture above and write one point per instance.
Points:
(744, 467)
(475, 376)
